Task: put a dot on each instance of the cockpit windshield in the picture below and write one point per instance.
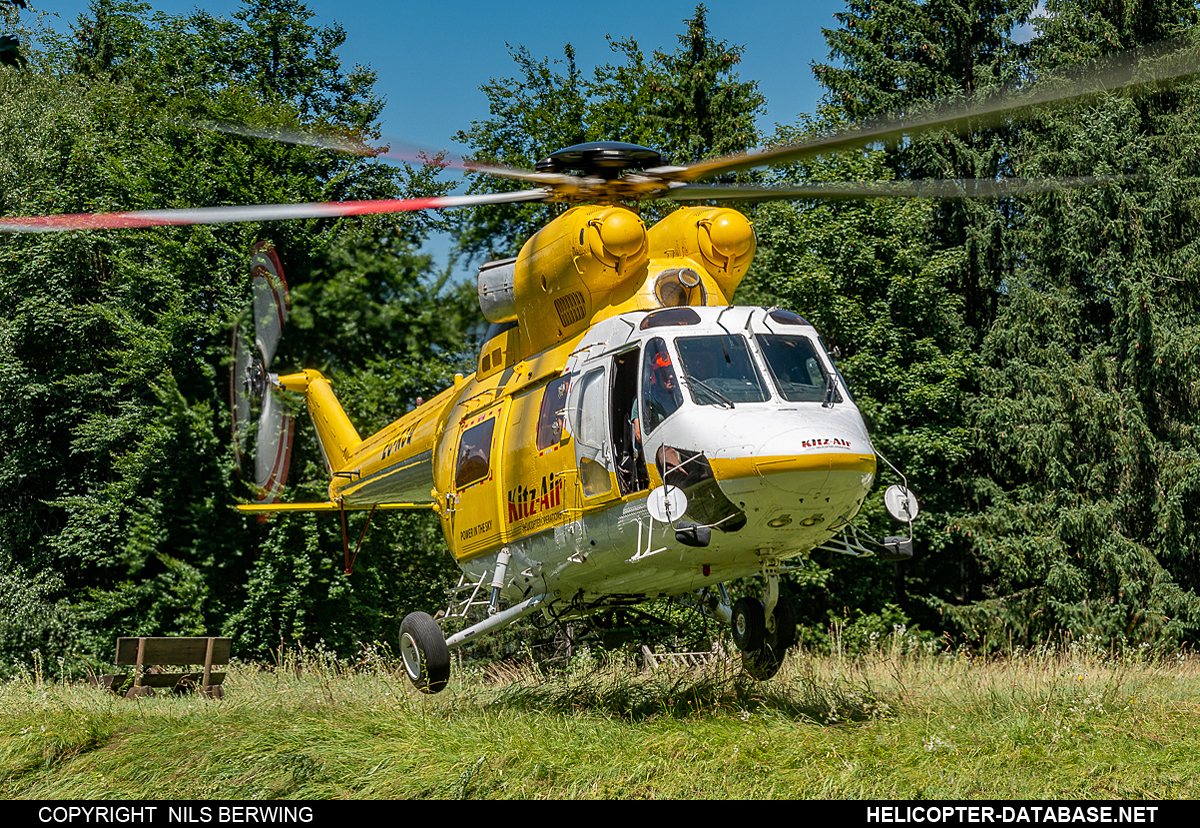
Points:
(719, 370)
(796, 368)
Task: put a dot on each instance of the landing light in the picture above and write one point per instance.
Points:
(666, 504)
(901, 503)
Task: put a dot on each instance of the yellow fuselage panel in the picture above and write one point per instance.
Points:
(538, 481)
(586, 259)
(467, 472)
(525, 489)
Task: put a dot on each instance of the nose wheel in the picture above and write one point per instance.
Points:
(763, 662)
(749, 624)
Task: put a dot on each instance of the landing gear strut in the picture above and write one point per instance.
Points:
(426, 651)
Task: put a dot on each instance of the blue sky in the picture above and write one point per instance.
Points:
(431, 57)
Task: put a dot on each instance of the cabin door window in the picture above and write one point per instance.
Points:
(475, 454)
(552, 413)
(588, 409)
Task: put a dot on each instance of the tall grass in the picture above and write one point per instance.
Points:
(1068, 719)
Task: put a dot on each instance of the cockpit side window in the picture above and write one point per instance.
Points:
(796, 368)
(553, 410)
(719, 370)
(660, 388)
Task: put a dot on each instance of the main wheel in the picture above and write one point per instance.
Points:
(762, 664)
(423, 649)
(765, 662)
(749, 624)
(784, 635)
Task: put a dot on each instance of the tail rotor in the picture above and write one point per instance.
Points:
(251, 385)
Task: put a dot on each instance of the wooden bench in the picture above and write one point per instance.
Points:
(147, 655)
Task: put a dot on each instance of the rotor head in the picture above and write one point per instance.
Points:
(600, 159)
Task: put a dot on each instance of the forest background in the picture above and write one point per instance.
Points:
(1030, 363)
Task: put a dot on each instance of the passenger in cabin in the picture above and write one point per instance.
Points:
(626, 434)
(664, 393)
(631, 465)
(660, 391)
(472, 467)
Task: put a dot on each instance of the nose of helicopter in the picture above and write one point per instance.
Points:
(800, 477)
(796, 460)
(799, 463)
(797, 483)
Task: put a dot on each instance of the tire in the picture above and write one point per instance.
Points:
(784, 635)
(749, 624)
(424, 652)
(765, 662)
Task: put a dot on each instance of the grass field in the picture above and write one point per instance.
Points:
(1071, 721)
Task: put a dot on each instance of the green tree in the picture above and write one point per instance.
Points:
(1087, 406)
(701, 107)
(902, 290)
(863, 272)
(900, 55)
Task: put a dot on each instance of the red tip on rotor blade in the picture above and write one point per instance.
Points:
(262, 212)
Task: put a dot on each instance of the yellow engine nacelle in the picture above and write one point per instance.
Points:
(586, 259)
(718, 238)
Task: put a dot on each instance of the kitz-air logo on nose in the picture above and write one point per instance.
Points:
(527, 501)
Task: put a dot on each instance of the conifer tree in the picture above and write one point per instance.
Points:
(700, 105)
(901, 55)
(902, 290)
(1087, 406)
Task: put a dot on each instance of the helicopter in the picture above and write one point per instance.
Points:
(629, 432)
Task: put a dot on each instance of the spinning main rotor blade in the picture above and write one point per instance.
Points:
(412, 155)
(929, 188)
(983, 112)
(262, 212)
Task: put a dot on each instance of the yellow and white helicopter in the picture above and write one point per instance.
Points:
(629, 433)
